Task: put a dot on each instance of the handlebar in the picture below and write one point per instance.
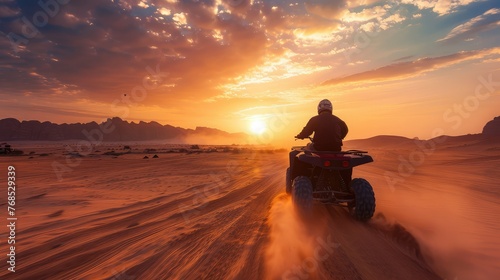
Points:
(309, 137)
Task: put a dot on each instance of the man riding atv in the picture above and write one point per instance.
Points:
(329, 131)
(321, 172)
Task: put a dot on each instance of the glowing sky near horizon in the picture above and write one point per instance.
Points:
(390, 67)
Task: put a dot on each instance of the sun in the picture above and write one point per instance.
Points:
(257, 126)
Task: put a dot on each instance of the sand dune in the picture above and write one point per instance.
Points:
(225, 216)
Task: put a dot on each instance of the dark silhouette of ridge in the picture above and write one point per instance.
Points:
(490, 135)
(381, 141)
(114, 129)
(492, 128)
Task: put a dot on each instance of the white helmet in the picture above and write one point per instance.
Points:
(325, 105)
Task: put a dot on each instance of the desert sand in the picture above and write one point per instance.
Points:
(226, 216)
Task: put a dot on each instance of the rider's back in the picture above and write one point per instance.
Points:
(329, 130)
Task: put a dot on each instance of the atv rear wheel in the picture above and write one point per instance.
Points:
(302, 195)
(288, 181)
(365, 199)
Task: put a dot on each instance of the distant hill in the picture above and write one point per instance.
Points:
(381, 141)
(489, 136)
(492, 128)
(114, 129)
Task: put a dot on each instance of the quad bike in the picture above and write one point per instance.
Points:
(320, 176)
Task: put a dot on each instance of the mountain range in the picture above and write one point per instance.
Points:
(489, 135)
(114, 129)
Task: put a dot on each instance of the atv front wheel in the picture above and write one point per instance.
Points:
(288, 181)
(365, 199)
(302, 194)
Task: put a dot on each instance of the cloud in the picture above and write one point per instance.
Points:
(102, 50)
(376, 18)
(330, 9)
(386, 23)
(358, 3)
(61, 111)
(6, 11)
(440, 7)
(365, 14)
(165, 11)
(255, 83)
(487, 21)
(402, 70)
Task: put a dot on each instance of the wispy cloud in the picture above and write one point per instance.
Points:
(441, 7)
(489, 20)
(413, 68)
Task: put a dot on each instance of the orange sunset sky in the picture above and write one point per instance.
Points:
(409, 68)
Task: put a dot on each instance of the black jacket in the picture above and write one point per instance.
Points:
(329, 130)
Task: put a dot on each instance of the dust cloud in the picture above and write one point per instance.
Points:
(297, 246)
(454, 236)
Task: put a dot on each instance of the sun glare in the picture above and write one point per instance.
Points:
(257, 126)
